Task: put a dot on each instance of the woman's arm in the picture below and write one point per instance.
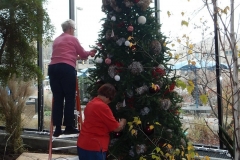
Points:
(122, 124)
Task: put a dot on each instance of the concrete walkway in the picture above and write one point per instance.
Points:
(41, 156)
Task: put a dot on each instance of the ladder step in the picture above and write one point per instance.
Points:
(61, 148)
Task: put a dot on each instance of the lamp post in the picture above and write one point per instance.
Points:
(77, 8)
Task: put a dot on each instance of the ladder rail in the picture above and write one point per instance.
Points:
(79, 123)
(78, 106)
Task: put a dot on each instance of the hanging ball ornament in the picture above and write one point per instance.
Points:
(108, 61)
(130, 28)
(85, 99)
(127, 43)
(142, 20)
(113, 18)
(98, 60)
(117, 78)
(165, 104)
(154, 88)
(148, 130)
(156, 47)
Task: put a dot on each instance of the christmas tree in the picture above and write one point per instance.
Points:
(134, 57)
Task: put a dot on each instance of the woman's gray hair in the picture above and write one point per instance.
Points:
(67, 25)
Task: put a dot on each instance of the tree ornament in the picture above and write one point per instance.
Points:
(148, 130)
(120, 41)
(129, 93)
(165, 104)
(131, 152)
(135, 67)
(128, 3)
(133, 48)
(141, 148)
(145, 111)
(130, 28)
(117, 78)
(108, 61)
(99, 60)
(119, 67)
(119, 105)
(112, 34)
(113, 18)
(154, 88)
(121, 24)
(141, 90)
(143, 4)
(158, 72)
(108, 34)
(127, 43)
(156, 47)
(112, 71)
(142, 20)
(85, 99)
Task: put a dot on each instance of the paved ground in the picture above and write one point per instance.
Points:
(41, 156)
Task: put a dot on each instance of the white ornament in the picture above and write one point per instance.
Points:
(117, 78)
(127, 43)
(85, 99)
(113, 18)
(98, 60)
(142, 20)
(145, 111)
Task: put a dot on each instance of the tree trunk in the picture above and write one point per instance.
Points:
(236, 102)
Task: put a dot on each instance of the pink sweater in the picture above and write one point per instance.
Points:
(66, 49)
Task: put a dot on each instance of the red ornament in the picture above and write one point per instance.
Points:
(154, 88)
(148, 130)
(170, 89)
(120, 25)
(108, 61)
(172, 86)
(133, 48)
(130, 28)
(130, 102)
(158, 72)
(119, 66)
(136, 1)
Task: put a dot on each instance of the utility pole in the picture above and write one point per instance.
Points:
(218, 73)
(72, 9)
(157, 14)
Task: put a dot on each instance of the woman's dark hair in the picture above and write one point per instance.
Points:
(107, 90)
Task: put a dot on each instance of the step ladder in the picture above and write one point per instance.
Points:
(78, 113)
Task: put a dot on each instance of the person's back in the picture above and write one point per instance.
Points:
(62, 76)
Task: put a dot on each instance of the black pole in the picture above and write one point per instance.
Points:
(157, 13)
(218, 74)
(71, 10)
(40, 88)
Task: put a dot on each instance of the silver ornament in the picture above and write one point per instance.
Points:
(135, 67)
(165, 104)
(112, 71)
(142, 89)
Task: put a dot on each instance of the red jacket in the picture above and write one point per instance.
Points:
(98, 123)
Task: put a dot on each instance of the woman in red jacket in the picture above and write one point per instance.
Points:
(99, 121)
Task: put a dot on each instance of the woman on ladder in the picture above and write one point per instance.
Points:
(66, 51)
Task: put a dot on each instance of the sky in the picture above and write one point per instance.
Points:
(88, 19)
